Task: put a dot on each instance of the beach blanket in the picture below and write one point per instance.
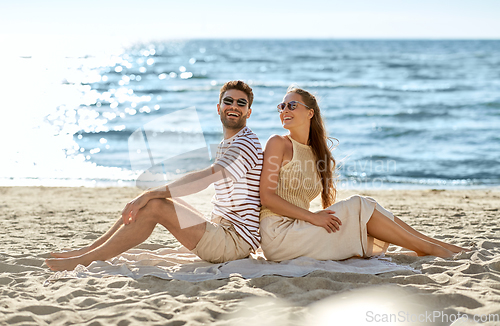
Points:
(182, 264)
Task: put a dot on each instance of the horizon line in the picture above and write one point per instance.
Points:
(320, 39)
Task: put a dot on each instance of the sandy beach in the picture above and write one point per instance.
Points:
(37, 220)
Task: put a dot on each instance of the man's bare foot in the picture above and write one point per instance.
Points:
(64, 264)
(70, 253)
(442, 252)
(408, 253)
(455, 249)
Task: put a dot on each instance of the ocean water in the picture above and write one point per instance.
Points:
(406, 114)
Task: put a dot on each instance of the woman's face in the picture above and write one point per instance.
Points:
(298, 118)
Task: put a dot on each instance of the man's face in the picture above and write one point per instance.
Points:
(234, 115)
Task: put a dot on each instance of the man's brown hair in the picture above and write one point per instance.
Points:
(239, 85)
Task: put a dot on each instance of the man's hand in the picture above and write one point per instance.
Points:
(129, 213)
(327, 220)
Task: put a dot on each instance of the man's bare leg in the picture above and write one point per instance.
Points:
(128, 236)
(381, 227)
(102, 239)
(449, 246)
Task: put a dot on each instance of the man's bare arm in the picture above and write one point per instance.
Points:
(191, 183)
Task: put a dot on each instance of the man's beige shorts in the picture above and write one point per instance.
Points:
(221, 243)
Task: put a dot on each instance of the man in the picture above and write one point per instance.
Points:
(232, 233)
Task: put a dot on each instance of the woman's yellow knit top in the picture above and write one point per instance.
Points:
(298, 181)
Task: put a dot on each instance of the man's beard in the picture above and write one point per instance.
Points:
(233, 124)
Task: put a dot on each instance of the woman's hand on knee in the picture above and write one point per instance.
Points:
(326, 220)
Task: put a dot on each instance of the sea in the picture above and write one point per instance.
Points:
(404, 114)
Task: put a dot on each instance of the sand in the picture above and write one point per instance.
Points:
(37, 220)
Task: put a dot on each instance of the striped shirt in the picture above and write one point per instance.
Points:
(238, 201)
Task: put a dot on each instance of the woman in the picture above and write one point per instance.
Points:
(297, 168)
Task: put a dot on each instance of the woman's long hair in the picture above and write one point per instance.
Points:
(318, 141)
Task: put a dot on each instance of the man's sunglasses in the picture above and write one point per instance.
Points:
(292, 105)
(229, 101)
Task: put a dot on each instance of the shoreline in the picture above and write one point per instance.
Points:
(51, 183)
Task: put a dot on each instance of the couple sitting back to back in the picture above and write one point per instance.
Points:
(292, 171)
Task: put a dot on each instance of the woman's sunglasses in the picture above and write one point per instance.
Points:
(229, 101)
(292, 105)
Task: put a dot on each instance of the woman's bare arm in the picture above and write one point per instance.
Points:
(273, 160)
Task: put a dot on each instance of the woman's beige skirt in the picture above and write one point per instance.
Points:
(287, 238)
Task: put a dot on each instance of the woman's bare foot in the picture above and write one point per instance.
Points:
(71, 253)
(431, 249)
(65, 264)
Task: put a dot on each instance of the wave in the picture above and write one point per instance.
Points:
(494, 104)
(127, 132)
(306, 57)
(383, 157)
(322, 84)
(482, 164)
(422, 77)
(418, 115)
(177, 89)
(55, 181)
(442, 176)
(327, 84)
(395, 132)
(255, 60)
(403, 182)
(335, 85)
(408, 65)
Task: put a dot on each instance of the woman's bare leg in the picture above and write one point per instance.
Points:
(129, 236)
(381, 227)
(449, 246)
(101, 240)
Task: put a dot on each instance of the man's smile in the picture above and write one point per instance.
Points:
(233, 114)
